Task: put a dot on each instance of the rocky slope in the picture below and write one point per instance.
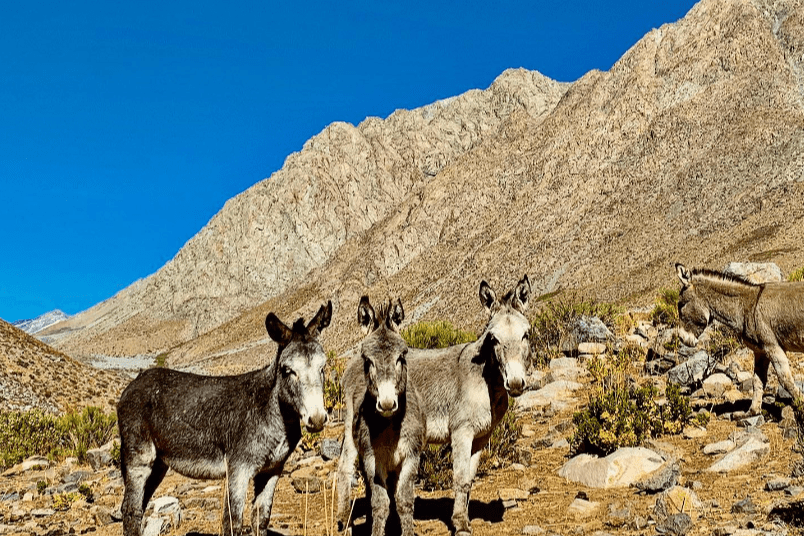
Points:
(688, 149)
(35, 325)
(35, 375)
(267, 239)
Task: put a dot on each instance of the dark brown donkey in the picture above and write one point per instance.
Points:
(769, 318)
(233, 427)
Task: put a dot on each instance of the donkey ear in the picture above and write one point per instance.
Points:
(365, 315)
(277, 330)
(321, 319)
(683, 274)
(487, 296)
(397, 313)
(521, 294)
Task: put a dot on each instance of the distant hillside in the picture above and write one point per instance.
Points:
(35, 375)
(690, 148)
(35, 325)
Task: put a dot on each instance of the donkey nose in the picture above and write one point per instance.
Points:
(316, 422)
(387, 406)
(515, 386)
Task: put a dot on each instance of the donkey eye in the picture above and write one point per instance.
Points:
(287, 371)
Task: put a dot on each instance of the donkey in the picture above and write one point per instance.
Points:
(769, 318)
(384, 420)
(233, 427)
(463, 389)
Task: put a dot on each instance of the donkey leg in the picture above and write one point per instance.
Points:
(264, 486)
(137, 469)
(346, 470)
(377, 480)
(406, 495)
(234, 500)
(759, 381)
(782, 367)
(462, 481)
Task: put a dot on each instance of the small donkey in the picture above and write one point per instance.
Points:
(233, 427)
(383, 418)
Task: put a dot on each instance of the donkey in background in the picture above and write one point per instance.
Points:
(384, 421)
(464, 388)
(769, 318)
(233, 427)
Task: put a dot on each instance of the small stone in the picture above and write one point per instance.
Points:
(721, 447)
(10, 496)
(675, 524)
(153, 526)
(592, 348)
(777, 484)
(582, 508)
(533, 530)
(330, 448)
(76, 476)
(663, 478)
(509, 504)
(560, 443)
(694, 432)
(794, 491)
(506, 494)
(211, 489)
(676, 500)
(746, 506)
(28, 497)
(756, 420)
(717, 384)
(305, 484)
(743, 455)
(42, 512)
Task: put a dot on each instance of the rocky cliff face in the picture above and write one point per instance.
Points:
(267, 239)
(689, 149)
(41, 322)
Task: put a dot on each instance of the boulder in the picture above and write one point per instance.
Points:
(330, 448)
(678, 499)
(621, 468)
(558, 394)
(745, 454)
(717, 384)
(695, 369)
(100, 457)
(755, 272)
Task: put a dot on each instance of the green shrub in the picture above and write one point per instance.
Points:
(64, 501)
(556, 319)
(115, 454)
(41, 486)
(625, 415)
(86, 492)
(439, 334)
(722, 341)
(34, 432)
(161, 359)
(665, 307)
(796, 275)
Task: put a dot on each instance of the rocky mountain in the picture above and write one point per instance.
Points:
(35, 325)
(34, 375)
(689, 149)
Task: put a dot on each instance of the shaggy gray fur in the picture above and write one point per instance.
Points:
(384, 421)
(233, 427)
(769, 318)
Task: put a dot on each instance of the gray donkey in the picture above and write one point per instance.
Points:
(233, 427)
(384, 421)
(769, 318)
(464, 389)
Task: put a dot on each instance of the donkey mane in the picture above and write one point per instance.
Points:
(298, 327)
(720, 276)
(382, 314)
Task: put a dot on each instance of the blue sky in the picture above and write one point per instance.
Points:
(126, 126)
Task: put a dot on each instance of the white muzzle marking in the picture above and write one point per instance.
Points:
(387, 402)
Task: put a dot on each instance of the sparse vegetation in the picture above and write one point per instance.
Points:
(796, 275)
(557, 318)
(665, 307)
(34, 432)
(333, 391)
(623, 414)
(160, 359)
(64, 501)
(435, 335)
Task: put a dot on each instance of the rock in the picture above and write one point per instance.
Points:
(76, 476)
(695, 369)
(33, 463)
(746, 506)
(563, 363)
(621, 468)
(516, 494)
(663, 478)
(305, 484)
(675, 524)
(28, 496)
(755, 421)
(743, 455)
(592, 348)
(717, 384)
(721, 447)
(558, 394)
(523, 456)
(202, 503)
(10, 496)
(533, 530)
(582, 508)
(678, 499)
(754, 272)
(694, 432)
(168, 509)
(509, 504)
(102, 515)
(330, 448)
(100, 457)
(777, 484)
(536, 380)
(153, 526)
(42, 512)
(619, 516)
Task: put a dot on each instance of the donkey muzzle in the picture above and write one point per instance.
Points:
(514, 380)
(387, 399)
(315, 422)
